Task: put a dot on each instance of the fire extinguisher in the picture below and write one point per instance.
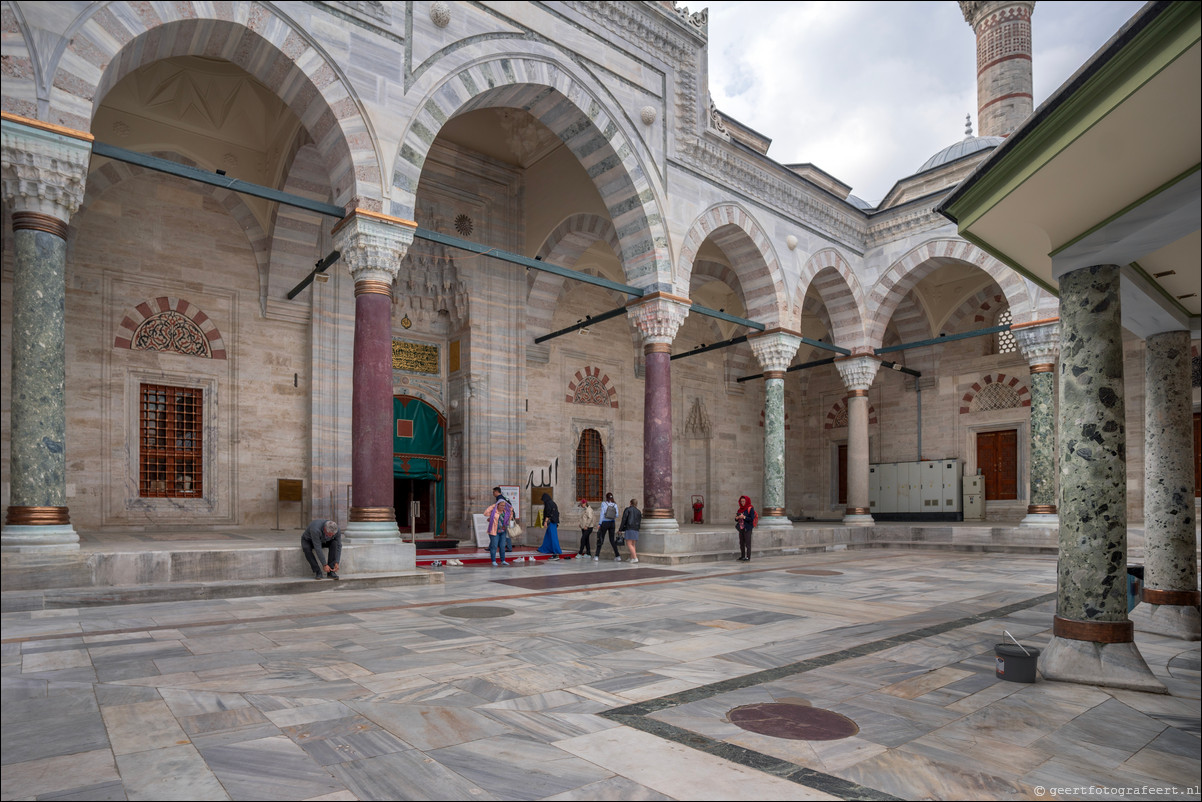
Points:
(698, 506)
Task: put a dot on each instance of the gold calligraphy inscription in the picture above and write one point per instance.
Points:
(415, 357)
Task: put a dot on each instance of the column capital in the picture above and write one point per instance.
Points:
(44, 168)
(857, 372)
(774, 349)
(1038, 340)
(373, 244)
(658, 316)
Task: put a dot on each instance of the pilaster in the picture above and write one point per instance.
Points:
(44, 170)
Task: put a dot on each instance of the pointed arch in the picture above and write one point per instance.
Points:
(746, 245)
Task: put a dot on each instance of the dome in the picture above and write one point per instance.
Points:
(965, 147)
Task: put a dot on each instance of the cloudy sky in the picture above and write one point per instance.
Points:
(868, 91)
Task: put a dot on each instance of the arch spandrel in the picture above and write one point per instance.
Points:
(906, 272)
(114, 39)
(568, 102)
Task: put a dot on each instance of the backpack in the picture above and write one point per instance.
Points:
(608, 511)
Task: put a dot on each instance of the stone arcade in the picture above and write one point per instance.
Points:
(162, 372)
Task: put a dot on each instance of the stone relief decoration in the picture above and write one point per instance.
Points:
(715, 119)
(700, 21)
(995, 392)
(415, 357)
(171, 325)
(440, 14)
(836, 418)
(697, 424)
(429, 285)
(592, 388)
(647, 115)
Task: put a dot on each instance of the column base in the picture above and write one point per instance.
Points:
(1172, 620)
(1111, 665)
(39, 539)
(1041, 519)
(858, 519)
(659, 527)
(774, 521)
(361, 533)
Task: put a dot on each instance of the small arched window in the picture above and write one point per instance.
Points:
(590, 466)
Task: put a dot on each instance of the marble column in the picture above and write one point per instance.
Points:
(44, 172)
(372, 247)
(1092, 637)
(775, 351)
(857, 372)
(658, 316)
(1040, 344)
(1170, 594)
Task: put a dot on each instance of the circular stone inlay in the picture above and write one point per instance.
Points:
(477, 612)
(795, 722)
(814, 572)
(1184, 666)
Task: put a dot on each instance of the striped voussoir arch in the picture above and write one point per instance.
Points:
(118, 38)
(831, 277)
(170, 324)
(1021, 394)
(112, 173)
(563, 247)
(978, 311)
(747, 246)
(906, 272)
(836, 416)
(572, 111)
(591, 386)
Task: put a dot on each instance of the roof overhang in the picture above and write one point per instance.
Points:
(1107, 171)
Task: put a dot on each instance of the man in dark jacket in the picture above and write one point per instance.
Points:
(632, 519)
(322, 535)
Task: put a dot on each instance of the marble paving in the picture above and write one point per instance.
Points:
(589, 683)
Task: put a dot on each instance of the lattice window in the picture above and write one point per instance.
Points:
(171, 454)
(590, 466)
(995, 396)
(1006, 344)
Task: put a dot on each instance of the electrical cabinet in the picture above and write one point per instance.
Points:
(886, 474)
(974, 498)
(915, 490)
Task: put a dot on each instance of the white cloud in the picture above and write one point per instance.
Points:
(868, 91)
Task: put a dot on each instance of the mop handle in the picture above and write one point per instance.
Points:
(1016, 643)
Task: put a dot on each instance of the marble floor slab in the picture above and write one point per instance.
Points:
(610, 688)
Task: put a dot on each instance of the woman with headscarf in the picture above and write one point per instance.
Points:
(745, 520)
(551, 538)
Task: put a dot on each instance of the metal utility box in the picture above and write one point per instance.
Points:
(914, 491)
(952, 494)
(887, 479)
(874, 488)
(974, 498)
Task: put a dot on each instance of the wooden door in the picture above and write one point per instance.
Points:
(997, 457)
(843, 474)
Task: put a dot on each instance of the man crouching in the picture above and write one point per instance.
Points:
(323, 535)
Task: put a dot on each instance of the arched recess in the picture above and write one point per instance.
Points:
(115, 39)
(978, 311)
(830, 275)
(419, 463)
(112, 173)
(747, 246)
(905, 273)
(564, 246)
(570, 104)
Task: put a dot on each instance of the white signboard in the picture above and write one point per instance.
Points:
(480, 528)
(513, 494)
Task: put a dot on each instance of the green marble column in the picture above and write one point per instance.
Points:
(1170, 603)
(775, 350)
(1040, 344)
(1093, 640)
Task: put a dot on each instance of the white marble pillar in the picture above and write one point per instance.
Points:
(857, 372)
(1170, 588)
(43, 175)
(1040, 344)
(775, 350)
(372, 247)
(1093, 640)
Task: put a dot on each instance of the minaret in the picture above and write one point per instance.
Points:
(1003, 29)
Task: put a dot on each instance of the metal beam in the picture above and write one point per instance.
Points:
(826, 346)
(718, 313)
(215, 179)
(621, 310)
(317, 270)
(714, 347)
(942, 339)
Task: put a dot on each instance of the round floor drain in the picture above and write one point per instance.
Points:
(795, 722)
(477, 612)
(814, 572)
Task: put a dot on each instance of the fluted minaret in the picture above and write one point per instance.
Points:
(1003, 29)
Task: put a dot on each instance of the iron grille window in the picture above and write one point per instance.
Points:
(1006, 343)
(171, 454)
(590, 466)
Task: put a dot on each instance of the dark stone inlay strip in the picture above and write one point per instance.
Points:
(813, 572)
(591, 578)
(636, 715)
(477, 612)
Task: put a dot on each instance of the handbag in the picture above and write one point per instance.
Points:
(515, 528)
(620, 539)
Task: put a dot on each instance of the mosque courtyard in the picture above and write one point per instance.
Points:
(852, 674)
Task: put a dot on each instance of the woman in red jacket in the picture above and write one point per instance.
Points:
(745, 520)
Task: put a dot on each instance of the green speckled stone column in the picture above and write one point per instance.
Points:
(1093, 640)
(43, 178)
(774, 349)
(1040, 344)
(1170, 603)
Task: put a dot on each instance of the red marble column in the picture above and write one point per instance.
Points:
(371, 404)
(657, 432)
